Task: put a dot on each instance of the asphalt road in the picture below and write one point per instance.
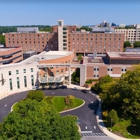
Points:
(86, 113)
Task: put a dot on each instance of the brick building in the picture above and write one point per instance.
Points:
(66, 38)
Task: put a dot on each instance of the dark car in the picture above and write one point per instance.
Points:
(63, 87)
(84, 91)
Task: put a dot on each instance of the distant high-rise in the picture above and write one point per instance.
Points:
(104, 24)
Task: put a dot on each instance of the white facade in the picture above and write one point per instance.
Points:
(13, 72)
(131, 35)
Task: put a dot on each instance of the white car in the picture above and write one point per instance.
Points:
(76, 88)
(35, 88)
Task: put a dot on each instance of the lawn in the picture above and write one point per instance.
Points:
(59, 103)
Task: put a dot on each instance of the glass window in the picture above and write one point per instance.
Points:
(31, 69)
(10, 73)
(10, 83)
(17, 72)
(25, 81)
(32, 80)
(24, 70)
(18, 84)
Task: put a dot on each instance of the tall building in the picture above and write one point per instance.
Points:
(132, 34)
(66, 38)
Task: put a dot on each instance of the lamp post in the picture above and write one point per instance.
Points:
(111, 125)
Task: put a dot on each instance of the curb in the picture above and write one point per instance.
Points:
(12, 106)
(61, 111)
(74, 108)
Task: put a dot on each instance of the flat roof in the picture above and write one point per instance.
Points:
(123, 54)
(5, 49)
(42, 56)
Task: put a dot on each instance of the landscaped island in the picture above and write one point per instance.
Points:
(37, 117)
(61, 103)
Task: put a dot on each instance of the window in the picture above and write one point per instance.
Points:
(10, 73)
(31, 69)
(24, 70)
(57, 72)
(25, 81)
(10, 83)
(32, 80)
(17, 72)
(18, 84)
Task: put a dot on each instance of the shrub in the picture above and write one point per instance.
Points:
(37, 95)
(112, 116)
(49, 99)
(70, 97)
(105, 113)
(67, 101)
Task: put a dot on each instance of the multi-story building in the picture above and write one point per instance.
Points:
(32, 40)
(131, 35)
(10, 55)
(66, 38)
(56, 67)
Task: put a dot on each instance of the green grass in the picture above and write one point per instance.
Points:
(59, 103)
(123, 128)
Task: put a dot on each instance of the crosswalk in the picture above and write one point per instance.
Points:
(86, 134)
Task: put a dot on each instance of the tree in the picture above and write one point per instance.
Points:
(123, 94)
(2, 39)
(37, 95)
(127, 44)
(136, 44)
(38, 120)
(76, 76)
(113, 117)
(80, 57)
(102, 84)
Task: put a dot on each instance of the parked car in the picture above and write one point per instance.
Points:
(35, 88)
(63, 87)
(75, 88)
(84, 91)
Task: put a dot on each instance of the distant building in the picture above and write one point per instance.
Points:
(104, 24)
(113, 24)
(103, 29)
(132, 50)
(27, 29)
(66, 38)
(10, 55)
(130, 34)
(122, 25)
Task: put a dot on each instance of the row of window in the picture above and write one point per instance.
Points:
(109, 69)
(18, 82)
(17, 71)
(94, 39)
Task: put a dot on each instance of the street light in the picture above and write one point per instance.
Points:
(111, 124)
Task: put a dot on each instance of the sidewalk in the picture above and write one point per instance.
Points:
(102, 126)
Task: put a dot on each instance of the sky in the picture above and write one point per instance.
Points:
(80, 12)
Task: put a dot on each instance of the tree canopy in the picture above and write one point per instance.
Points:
(37, 95)
(2, 39)
(122, 94)
(136, 44)
(37, 120)
(127, 44)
